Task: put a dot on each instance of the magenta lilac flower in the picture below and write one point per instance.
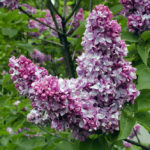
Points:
(12, 4)
(137, 13)
(48, 20)
(79, 17)
(126, 144)
(24, 73)
(95, 99)
(40, 57)
(29, 9)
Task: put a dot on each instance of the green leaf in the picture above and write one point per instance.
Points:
(6, 79)
(145, 35)
(26, 46)
(127, 122)
(143, 51)
(65, 146)
(27, 144)
(116, 8)
(80, 30)
(143, 101)
(9, 32)
(96, 144)
(143, 118)
(143, 77)
(130, 37)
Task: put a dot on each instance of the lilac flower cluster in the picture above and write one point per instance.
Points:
(12, 4)
(78, 17)
(40, 57)
(137, 13)
(110, 76)
(48, 20)
(23, 73)
(135, 131)
(94, 100)
(29, 9)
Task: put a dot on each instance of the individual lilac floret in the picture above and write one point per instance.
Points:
(10, 130)
(95, 99)
(12, 4)
(137, 13)
(16, 103)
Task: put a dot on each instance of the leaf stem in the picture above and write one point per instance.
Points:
(137, 144)
(137, 136)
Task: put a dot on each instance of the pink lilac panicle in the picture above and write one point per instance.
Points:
(48, 20)
(29, 9)
(24, 73)
(40, 57)
(137, 13)
(95, 99)
(12, 4)
(78, 17)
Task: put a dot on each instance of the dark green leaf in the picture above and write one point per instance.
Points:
(146, 35)
(94, 144)
(143, 77)
(143, 118)
(127, 122)
(143, 101)
(116, 8)
(143, 51)
(9, 32)
(130, 37)
(80, 30)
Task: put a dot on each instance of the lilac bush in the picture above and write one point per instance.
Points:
(94, 100)
(137, 13)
